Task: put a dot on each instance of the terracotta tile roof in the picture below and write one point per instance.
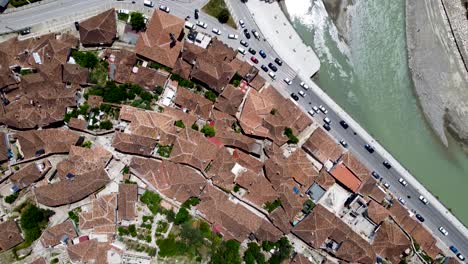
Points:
(234, 219)
(192, 148)
(182, 68)
(80, 175)
(325, 179)
(390, 242)
(99, 30)
(52, 141)
(370, 188)
(40, 260)
(10, 235)
(239, 141)
(173, 180)
(74, 74)
(356, 166)
(54, 235)
(220, 170)
(155, 44)
(196, 103)
(190, 52)
(259, 189)
(343, 175)
(149, 78)
(94, 101)
(230, 100)
(78, 124)
(257, 83)
(30, 174)
(89, 251)
(322, 146)
(376, 212)
(300, 259)
(133, 144)
(127, 197)
(321, 225)
(3, 147)
(102, 214)
(121, 63)
(244, 69)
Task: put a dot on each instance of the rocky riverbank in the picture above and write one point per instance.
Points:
(437, 69)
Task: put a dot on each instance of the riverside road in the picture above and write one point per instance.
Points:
(64, 12)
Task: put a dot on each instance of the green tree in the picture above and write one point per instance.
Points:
(182, 216)
(223, 16)
(208, 130)
(152, 200)
(284, 251)
(253, 254)
(227, 253)
(11, 198)
(106, 125)
(210, 95)
(137, 21)
(33, 220)
(179, 123)
(195, 126)
(132, 230)
(159, 90)
(85, 59)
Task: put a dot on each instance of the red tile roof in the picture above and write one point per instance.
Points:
(102, 216)
(99, 30)
(89, 251)
(127, 197)
(390, 242)
(323, 147)
(52, 236)
(196, 103)
(342, 174)
(30, 174)
(10, 235)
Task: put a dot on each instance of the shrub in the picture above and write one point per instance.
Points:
(208, 130)
(74, 217)
(54, 261)
(137, 21)
(182, 216)
(87, 144)
(179, 123)
(33, 221)
(292, 139)
(85, 59)
(210, 95)
(223, 16)
(152, 200)
(122, 16)
(227, 252)
(11, 198)
(164, 151)
(159, 90)
(132, 230)
(192, 201)
(270, 206)
(236, 188)
(195, 126)
(106, 125)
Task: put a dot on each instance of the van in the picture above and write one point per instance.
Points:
(241, 50)
(148, 3)
(272, 75)
(189, 25)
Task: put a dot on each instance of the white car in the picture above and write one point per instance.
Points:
(304, 85)
(402, 201)
(288, 81)
(443, 231)
(402, 181)
(164, 8)
(343, 143)
(323, 109)
(272, 75)
(233, 36)
(301, 93)
(241, 23)
(386, 185)
(216, 31)
(202, 24)
(315, 108)
(423, 199)
(327, 120)
(311, 113)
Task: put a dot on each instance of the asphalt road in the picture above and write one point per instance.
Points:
(63, 8)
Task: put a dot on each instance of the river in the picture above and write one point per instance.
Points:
(369, 78)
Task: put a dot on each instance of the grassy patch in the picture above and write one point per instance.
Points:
(215, 8)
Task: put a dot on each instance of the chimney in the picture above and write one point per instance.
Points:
(173, 38)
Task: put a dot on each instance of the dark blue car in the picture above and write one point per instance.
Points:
(264, 68)
(262, 53)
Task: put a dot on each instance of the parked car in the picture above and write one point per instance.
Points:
(262, 53)
(369, 148)
(272, 75)
(195, 14)
(264, 68)
(401, 200)
(278, 61)
(254, 60)
(443, 231)
(255, 33)
(202, 24)
(460, 256)
(244, 43)
(315, 108)
(343, 143)
(386, 185)
(423, 199)
(272, 67)
(305, 86)
(233, 36)
(216, 31)
(294, 96)
(241, 50)
(148, 3)
(252, 51)
(323, 109)
(420, 218)
(246, 33)
(301, 93)
(241, 23)
(327, 127)
(25, 31)
(387, 164)
(453, 249)
(311, 112)
(327, 120)
(288, 81)
(344, 124)
(375, 175)
(402, 181)
(164, 8)
(77, 25)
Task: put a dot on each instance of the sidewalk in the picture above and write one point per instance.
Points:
(276, 29)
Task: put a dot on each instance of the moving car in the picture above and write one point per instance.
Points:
(241, 23)
(244, 43)
(202, 24)
(264, 68)
(164, 8)
(327, 120)
(315, 108)
(401, 200)
(343, 143)
(262, 53)
(233, 36)
(327, 127)
(255, 33)
(246, 33)
(272, 67)
(288, 81)
(294, 96)
(420, 218)
(254, 60)
(272, 75)
(443, 231)
(323, 109)
(423, 199)
(344, 124)
(375, 175)
(304, 85)
(369, 148)
(278, 61)
(301, 93)
(387, 165)
(402, 181)
(216, 31)
(252, 51)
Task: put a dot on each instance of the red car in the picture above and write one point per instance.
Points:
(254, 60)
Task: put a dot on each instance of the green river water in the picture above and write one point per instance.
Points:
(372, 83)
